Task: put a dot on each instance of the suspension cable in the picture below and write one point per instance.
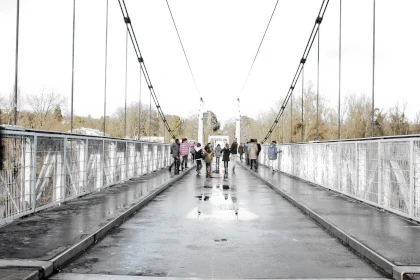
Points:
(317, 89)
(258, 50)
(134, 41)
(373, 70)
(72, 67)
(339, 80)
(125, 96)
(303, 85)
(106, 65)
(308, 47)
(183, 49)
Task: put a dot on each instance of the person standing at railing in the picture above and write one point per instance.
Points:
(234, 151)
(175, 155)
(253, 153)
(272, 155)
(184, 150)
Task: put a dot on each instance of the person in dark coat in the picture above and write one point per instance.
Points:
(225, 156)
(175, 154)
(241, 151)
(259, 150)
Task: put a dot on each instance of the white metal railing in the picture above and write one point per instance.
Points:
(382, 172)
(42, 169)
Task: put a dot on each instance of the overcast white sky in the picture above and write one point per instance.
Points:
(221, 38)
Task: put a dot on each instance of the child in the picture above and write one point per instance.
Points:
(198, 155)
(208, 157)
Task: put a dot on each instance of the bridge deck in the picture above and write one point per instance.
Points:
(199, 227)
(215, 228)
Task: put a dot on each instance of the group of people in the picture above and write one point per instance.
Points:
(251, 150)
(178, 151)
(182, 150)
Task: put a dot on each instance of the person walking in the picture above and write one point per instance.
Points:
(246, 152)
(175, 154)
(208, 157)
(198, 155)
(253, 153)
(192, 151)
(272, 155)
(226, 155)
(217, 154)
(234, 151)
(241, 151)
(184, 150)
(259, 151)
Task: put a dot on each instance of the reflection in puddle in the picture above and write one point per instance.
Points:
(218, 214)
(219, 202)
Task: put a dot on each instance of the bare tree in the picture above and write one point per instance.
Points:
(43, 106)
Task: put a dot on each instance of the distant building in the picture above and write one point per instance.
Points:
(156, 139)
(89, 131)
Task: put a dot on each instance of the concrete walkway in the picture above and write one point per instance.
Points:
(214, 228)
(43, 241)
(383, 237)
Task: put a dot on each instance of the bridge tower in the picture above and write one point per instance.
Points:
(238, 124)
(200, 123)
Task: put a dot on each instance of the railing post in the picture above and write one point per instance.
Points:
(85, 165)
(340, 165)
(356, 191)
(379, 173)
(35, 143)
(102, 164)
(64, 161)
(411, 193)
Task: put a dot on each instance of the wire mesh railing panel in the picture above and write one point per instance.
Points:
(367, 171)
(49, 186)
(318, 162)
(75, 164)
(416, 178)
(154, 158)
(294, 149)
(131, 159)
(145, 158)
(121, 167)
(168, 155)
(41, 168)
(139, 159)
(332, 168)
(95, 164)
(286, 159)
(348, 168)
(384, 173)
(110, 162)
(17, 175)
(395, 174)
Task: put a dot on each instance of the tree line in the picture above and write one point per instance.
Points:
(44, 111)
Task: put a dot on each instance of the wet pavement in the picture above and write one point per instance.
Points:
(392, 237)
(216, 228)
(45, 234)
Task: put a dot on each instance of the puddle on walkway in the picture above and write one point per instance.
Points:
(219, 201)
(217, 214)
